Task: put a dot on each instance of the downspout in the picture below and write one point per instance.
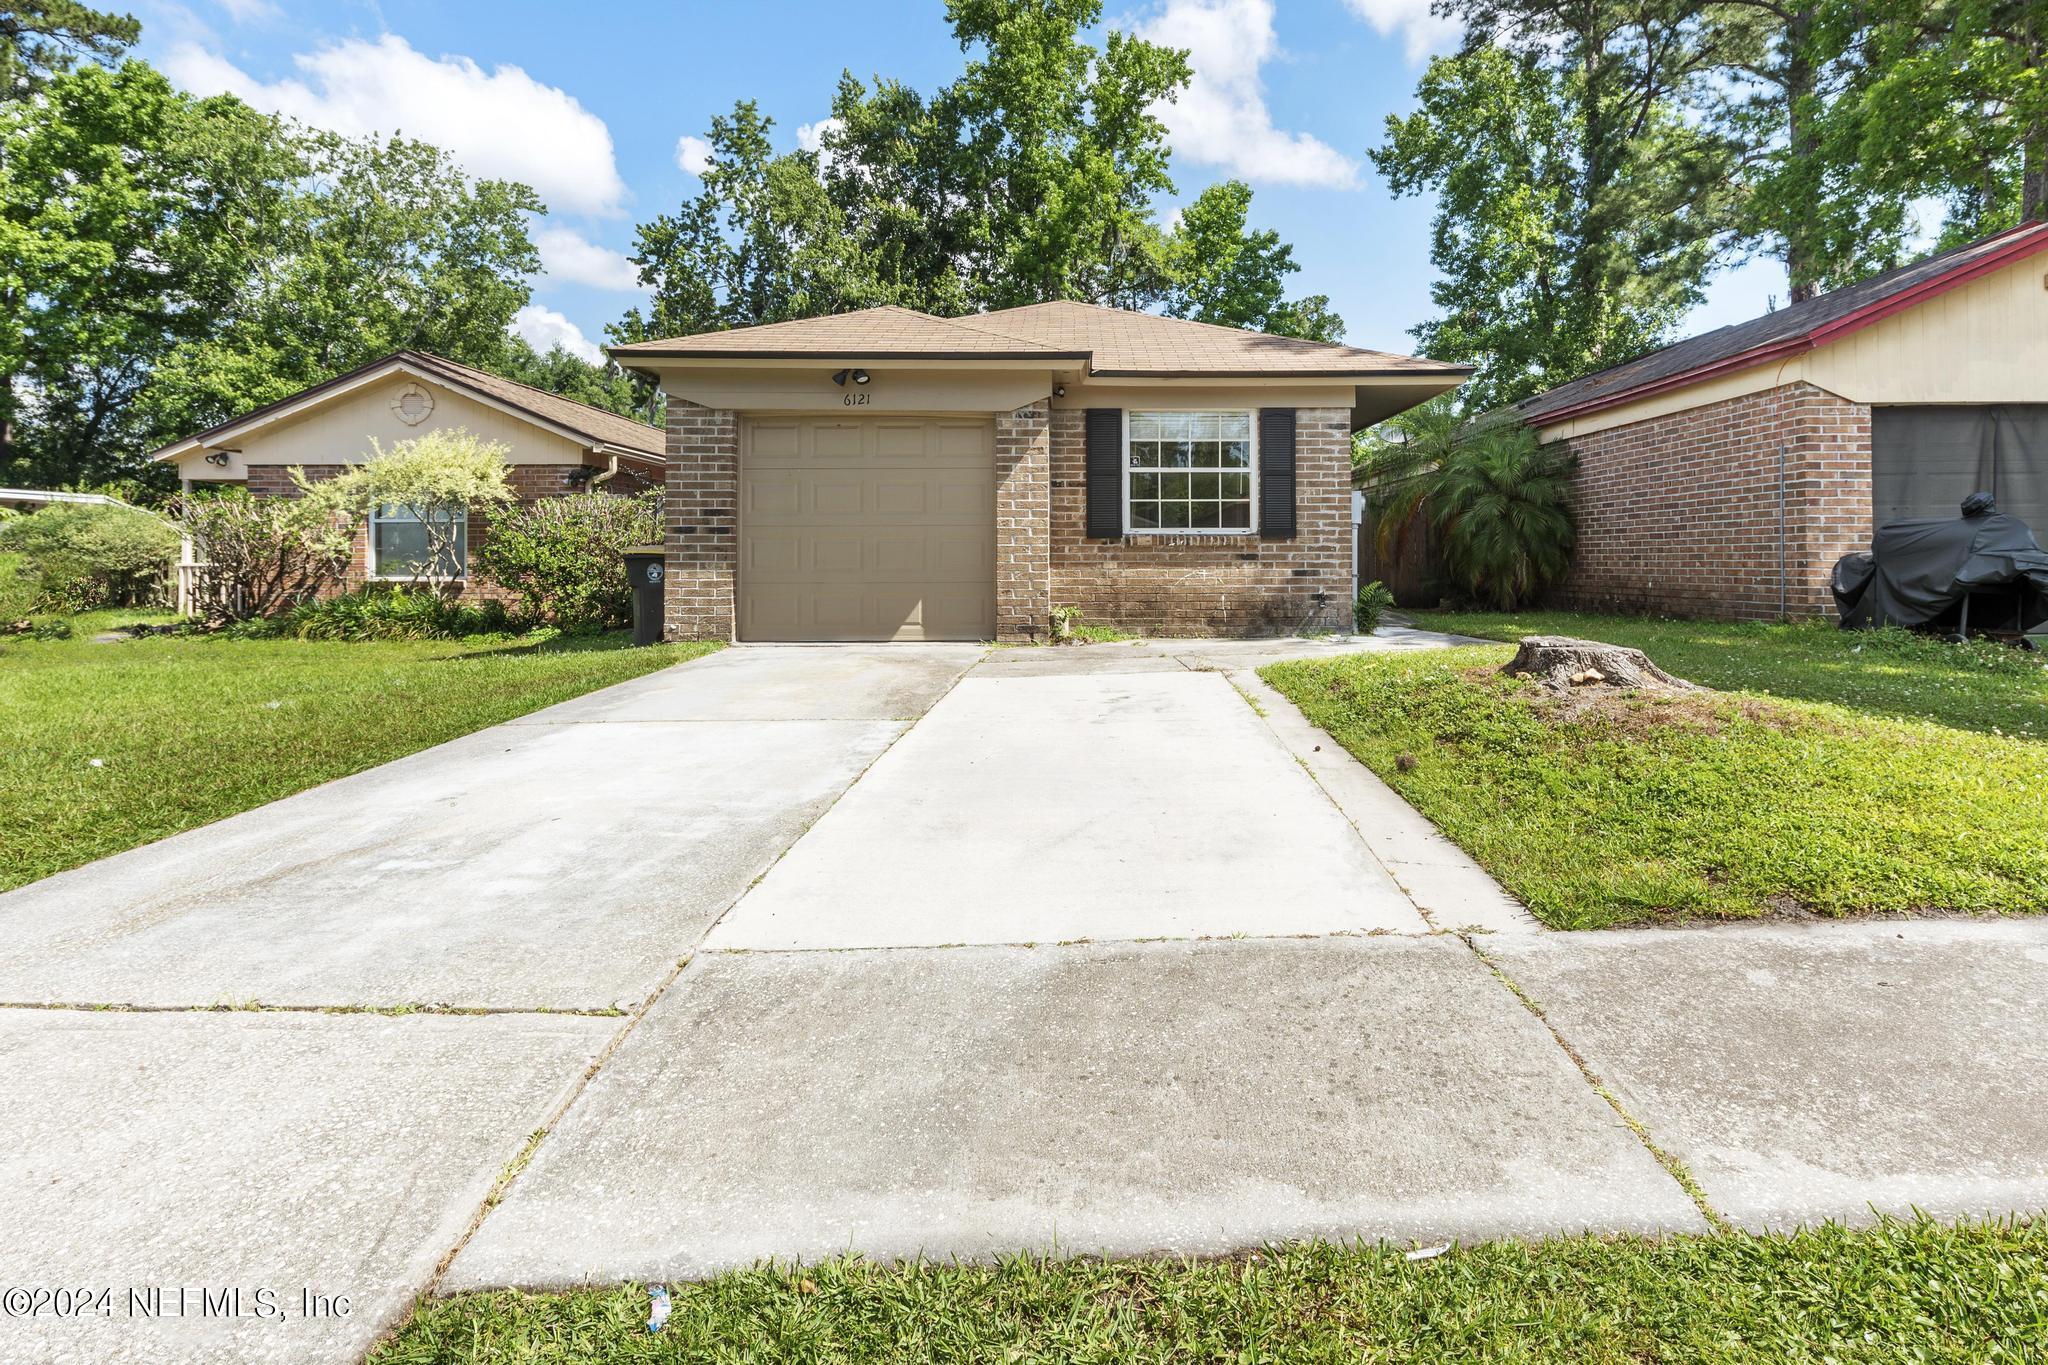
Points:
(1782, 586)
(611, 471)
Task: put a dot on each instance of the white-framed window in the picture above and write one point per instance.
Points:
(399, 544)
(1189, 473)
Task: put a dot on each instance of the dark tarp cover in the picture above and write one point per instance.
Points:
(1919, 571)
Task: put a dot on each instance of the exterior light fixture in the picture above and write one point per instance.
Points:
(219, 457)
(1059, 390)
(839, 377)
(860, 376)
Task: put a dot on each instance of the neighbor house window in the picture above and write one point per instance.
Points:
(1189, 471)
(400, 546)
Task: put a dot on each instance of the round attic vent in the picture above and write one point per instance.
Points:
(413, 405)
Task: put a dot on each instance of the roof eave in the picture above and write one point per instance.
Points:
(628, 357)
(1459, 373)
(1747, 360)
(1868, 315)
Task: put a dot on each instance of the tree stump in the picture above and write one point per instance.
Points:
(1562, 664)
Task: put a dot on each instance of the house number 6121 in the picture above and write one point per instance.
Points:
(854, 400)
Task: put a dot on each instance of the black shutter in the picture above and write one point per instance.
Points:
(1276, 473)
(1106, 473)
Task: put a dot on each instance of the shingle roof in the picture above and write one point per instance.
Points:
(1115, 341)
(1788, 331)
(1123, 342)
(602, 426)
(595, 425)
(869, 333)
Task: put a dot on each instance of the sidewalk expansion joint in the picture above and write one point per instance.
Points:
(1673, 1166)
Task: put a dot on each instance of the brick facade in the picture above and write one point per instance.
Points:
(1159, 585)
(1680, 513)
(1209, 584)
(1023, 523)
(700, 510)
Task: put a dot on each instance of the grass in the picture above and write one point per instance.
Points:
(1978, 686)
(1902, 1290)
(1720, 806)
(107, 746)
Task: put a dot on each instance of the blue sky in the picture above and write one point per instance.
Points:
(592, 105)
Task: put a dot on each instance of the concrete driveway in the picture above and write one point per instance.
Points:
(917, 950)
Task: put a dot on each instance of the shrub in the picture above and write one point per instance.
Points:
(1498, 498)
(396, 613)
(438, 478)
(84, 556)
(1502, 502)
(262, 555)
(17, 590)
(1371, 603)
(563, 557)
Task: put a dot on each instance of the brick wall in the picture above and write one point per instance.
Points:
(1207, 584)
(702, 533)
(530, 483)
(1023, 523)
(1679, 513)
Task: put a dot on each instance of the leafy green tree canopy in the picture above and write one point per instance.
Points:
(39, 38)
(1032, 176)
(126, 213)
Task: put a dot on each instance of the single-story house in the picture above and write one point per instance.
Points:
(1725, 475)
(555, 445)
(890, 475)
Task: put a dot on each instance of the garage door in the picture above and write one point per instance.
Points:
(1926, 460)
(873, 529)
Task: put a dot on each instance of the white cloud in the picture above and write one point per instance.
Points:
(693, 154)
(1221, 119)
(811, 136)
(1423, 31)
(547, 329)
(500, 123)
(568, 256)
(243, 11)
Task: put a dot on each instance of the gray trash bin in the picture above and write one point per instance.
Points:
(645, 575)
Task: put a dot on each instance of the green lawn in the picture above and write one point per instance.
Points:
(187, 730)
(1978, 686)
(1808, 790)
(1917, 1291)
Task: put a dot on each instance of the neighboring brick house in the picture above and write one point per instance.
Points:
(556, 446)
(887, 474)
(1725, 475)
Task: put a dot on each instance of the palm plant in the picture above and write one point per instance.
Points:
(1498, 499)
(1502, 504)
(1396, 464)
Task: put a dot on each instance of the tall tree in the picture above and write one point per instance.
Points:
(1802, 197)
(1033, 176)
(760, 242)
(1951, 101)
(369, 246)
(40, 38)
(601, 386)
(1059, 151)
(125, 213)
(1227, 273)
(1579, 208)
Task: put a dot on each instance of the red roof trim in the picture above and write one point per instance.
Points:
(2035, 240)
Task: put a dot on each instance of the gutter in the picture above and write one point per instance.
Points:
(2035, 240)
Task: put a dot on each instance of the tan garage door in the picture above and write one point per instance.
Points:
(870, 529)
